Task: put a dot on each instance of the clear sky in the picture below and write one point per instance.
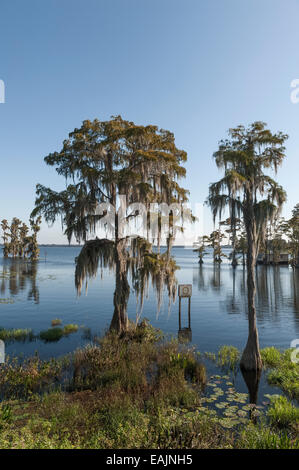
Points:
(195, 67)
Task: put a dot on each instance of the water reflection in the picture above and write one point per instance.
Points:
(19, 276)
(252, 380)
(185, 333)
(294, 301)
(277, 290)
(207, 277)
(232, 302)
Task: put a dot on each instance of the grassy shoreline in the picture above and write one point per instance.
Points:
(141, 391)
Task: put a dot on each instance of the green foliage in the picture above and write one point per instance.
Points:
(56, 333)
(17, 241)
(23, 378)
(51, 335)
(261, 437)
(135, 390)
(271, 356)
(71, 328)
(16, 334)
(101, 161)
(252, 195)
(283, 372)
(5, 414)
(282, 413)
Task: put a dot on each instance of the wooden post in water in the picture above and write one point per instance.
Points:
(185, 334)
(180, 318)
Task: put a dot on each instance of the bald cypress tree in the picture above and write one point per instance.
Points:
(101, 161)
(251, 194)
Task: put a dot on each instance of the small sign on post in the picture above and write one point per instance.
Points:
(185, 290)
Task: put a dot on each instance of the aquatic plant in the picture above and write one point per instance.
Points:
(16, 334)
(7, 301)
(71, 328)
(51, 335)
(56, 333)
(271, 356)
(228, 356)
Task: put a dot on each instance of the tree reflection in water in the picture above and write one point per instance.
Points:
(277, 289)
(18, 276)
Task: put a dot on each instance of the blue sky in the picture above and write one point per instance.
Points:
(194, 67)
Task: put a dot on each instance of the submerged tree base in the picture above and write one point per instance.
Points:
(251, 359)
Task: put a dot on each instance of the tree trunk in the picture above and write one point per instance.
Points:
(251, 357)
(120, 320)
(234, 258)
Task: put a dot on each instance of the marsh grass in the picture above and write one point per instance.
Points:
(71, 328)
(26, 334)
(22, 378)
(56, 333)
(228, 356)
(283, 413)
(271, 357)
(282, 372)
(16, 334)
(134, 391)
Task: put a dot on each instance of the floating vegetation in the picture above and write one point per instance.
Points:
(16, 334)
(56, 333)
(210, 356)
(49, 277)
(56, 322)
(71, 328)
(228, 357)
(51, 335)
(7, 301)
(232, 407)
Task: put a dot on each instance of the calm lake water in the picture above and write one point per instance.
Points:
(32, 297)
